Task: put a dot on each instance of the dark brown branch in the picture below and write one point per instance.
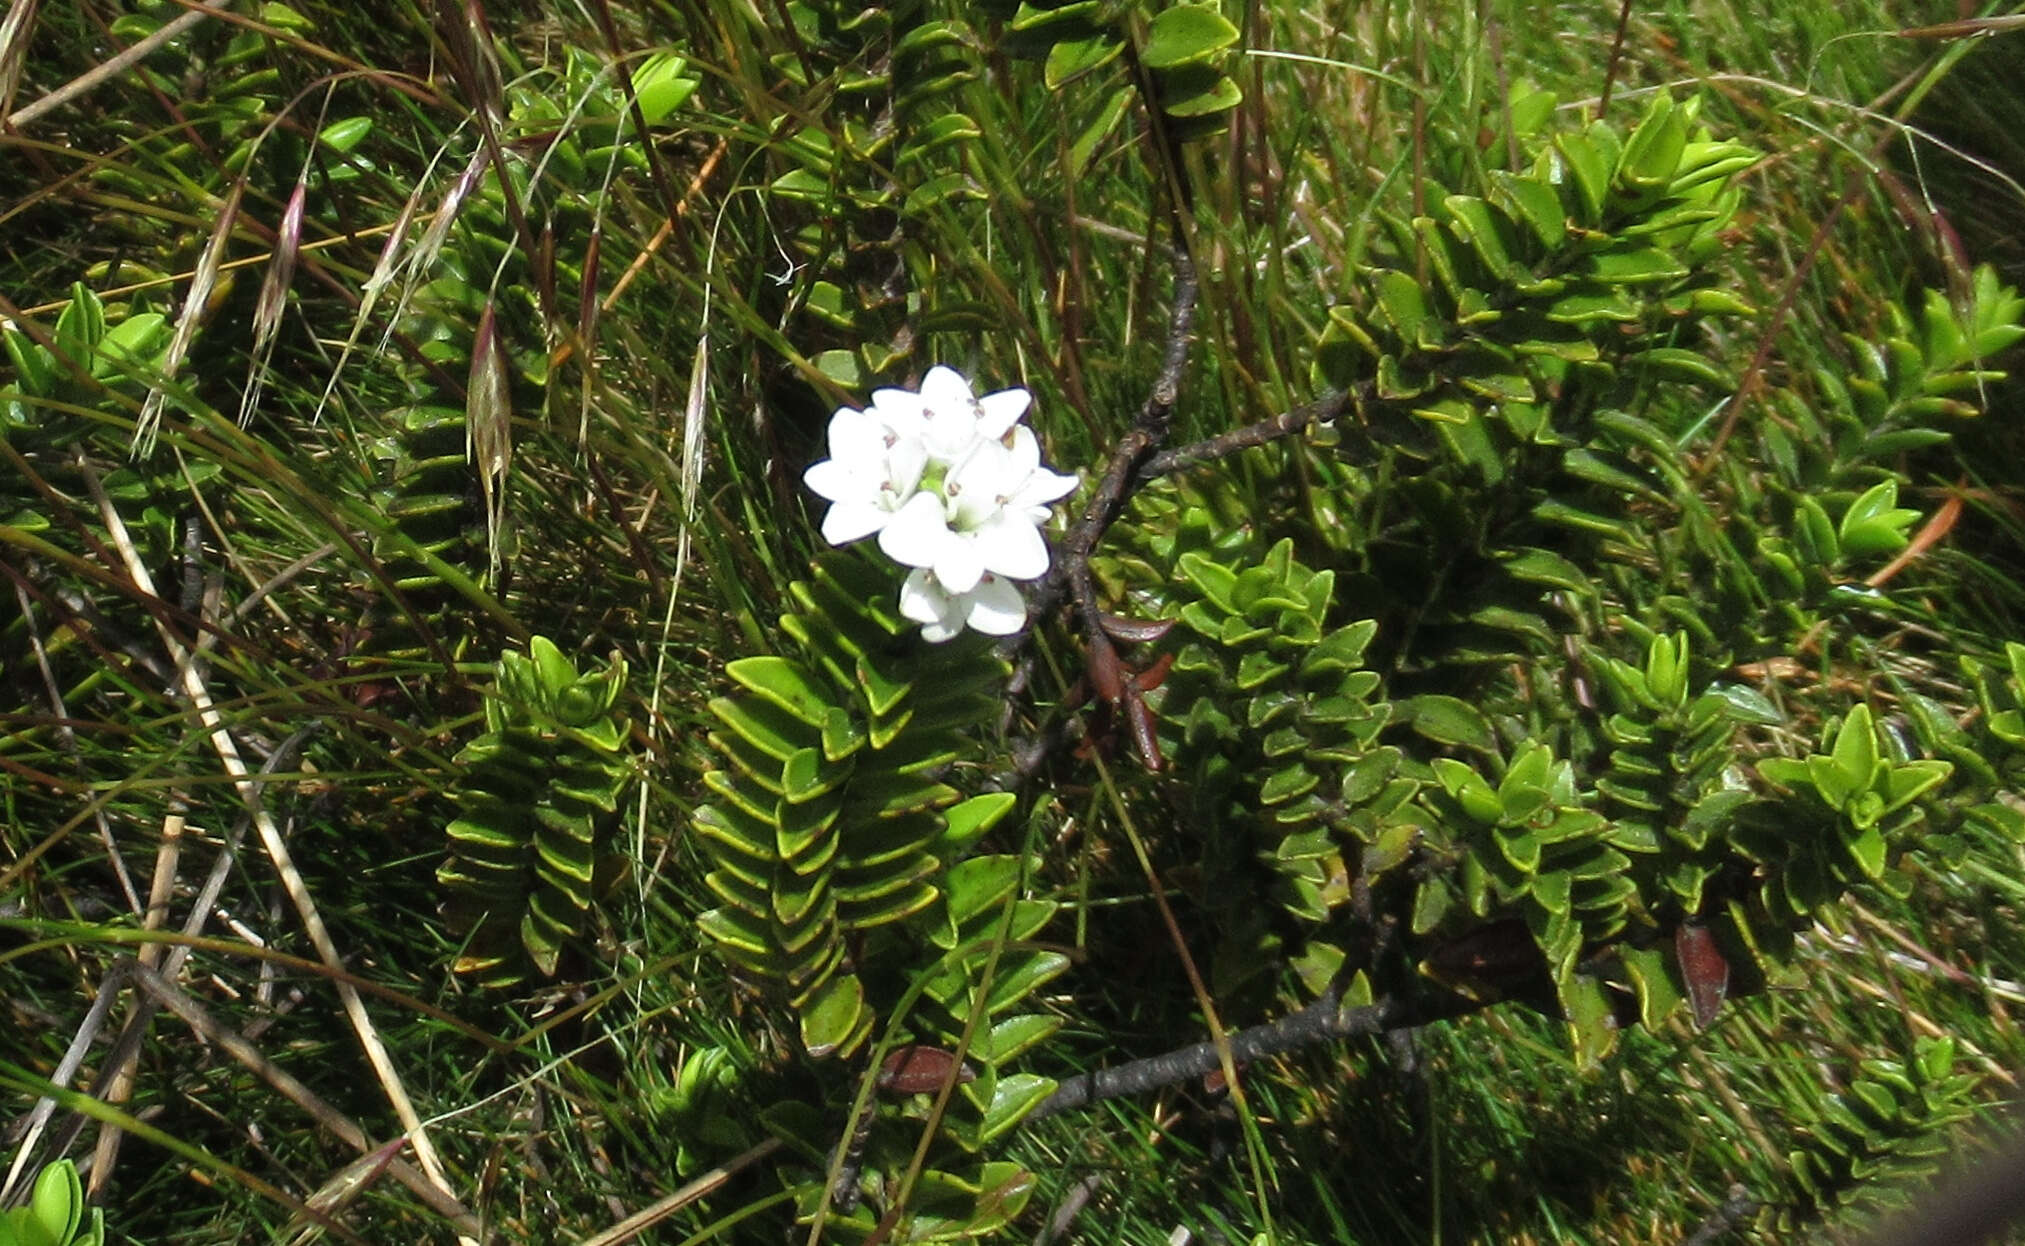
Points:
(1324, 1021)
(1286, 424)
(1735, 1211)
(1071, 572)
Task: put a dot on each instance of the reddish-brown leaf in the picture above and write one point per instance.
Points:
(1704, 969)
(1140, 719)
(1213, 1081)
(1155, 675)
(918, 1069)
(1134, 631)
(1106, 676)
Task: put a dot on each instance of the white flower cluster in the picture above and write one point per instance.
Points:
(953, 486)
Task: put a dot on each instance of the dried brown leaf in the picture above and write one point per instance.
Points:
(920, 1069)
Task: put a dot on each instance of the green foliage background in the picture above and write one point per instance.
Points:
(419, 642)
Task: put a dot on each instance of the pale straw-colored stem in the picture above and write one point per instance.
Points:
(271, 839)
(100, 74)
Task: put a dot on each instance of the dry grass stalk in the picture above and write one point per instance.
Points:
(488, 422)
(195, 304)
(227, 748)
(274, 296)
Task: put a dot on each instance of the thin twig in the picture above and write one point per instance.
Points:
(1286, 424)
(113, 66)
(1068, 1209)
(1071, 572)
(1616, 60)
(1753, 378)
(1324, 1021)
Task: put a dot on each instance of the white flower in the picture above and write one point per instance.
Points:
(952, 485)
(947, 417)
(872, 471)
(993, 607)
(986, 517)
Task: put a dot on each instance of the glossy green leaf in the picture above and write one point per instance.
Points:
(1907, 781)
(1586, 168)
(1484, 230)
(1469, 790)
(1653, 151)
(1185, 34)
(1450, 720)
(1015, 1035)
(835, 1020)
(1592, 1022)
(1874, 523)
(56, 1205)
(1634, 267)
(1534, 203)
(976, 886)
(1012, 1098)
(1076, 14)
(969, 820)
(1855, 753)
(80, 326)
(1867, 849)
(785, 683)
(761, 725)
(1653, 977)
(1020, 975)
(1101, 127)
(1404, 303)
(661, 86)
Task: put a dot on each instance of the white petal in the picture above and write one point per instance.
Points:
(855, 435)
(917, 534)
(996, 607)
(949, 436)
(901, 410)
(936, 633)
(904, 465)
(850, 521)
(840, 481)
(1023, 451)
(945, 390)
(975, 487)
(1041, 487)
(960, 563)
(923, 601)
(1000, 411)
(1010, 546)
